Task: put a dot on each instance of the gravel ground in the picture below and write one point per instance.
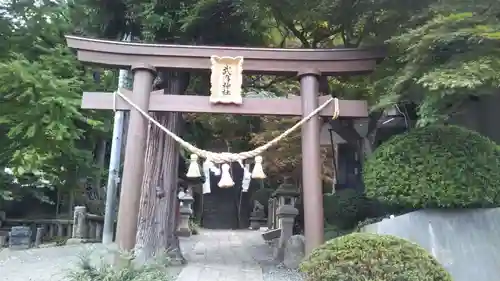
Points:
(53, 263)
(273, 271)
(47, 264)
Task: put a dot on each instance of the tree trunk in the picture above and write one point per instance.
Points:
(158, 210)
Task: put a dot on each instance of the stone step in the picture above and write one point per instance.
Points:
(271, 234)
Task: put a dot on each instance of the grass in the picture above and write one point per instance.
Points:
(195, 227)
(154, 271)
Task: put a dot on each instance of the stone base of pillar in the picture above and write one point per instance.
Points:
(286, 215)
(255, 223)
(184, 230)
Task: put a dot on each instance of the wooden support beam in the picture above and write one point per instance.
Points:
(201, 104)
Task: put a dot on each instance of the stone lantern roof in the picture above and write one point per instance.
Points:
(286, 189)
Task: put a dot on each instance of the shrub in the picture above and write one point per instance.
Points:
(347, 207)
(333, 231)
(154, 271)
(194, 227)
(436, 166)
(365, 256)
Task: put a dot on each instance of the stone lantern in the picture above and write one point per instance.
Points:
(287, 195)
(186, 210)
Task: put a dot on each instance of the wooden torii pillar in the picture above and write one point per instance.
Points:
(143, 59)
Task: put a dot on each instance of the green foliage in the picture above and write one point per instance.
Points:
(345, 208)
(181, 22)
(48, 140)
(333, 231)
(365, 256)
(194, 227)
(327, 23)
(154, 271)
(435, 166)
(441, 63)
(369, 221)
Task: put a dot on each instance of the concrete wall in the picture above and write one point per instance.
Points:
(465, 242)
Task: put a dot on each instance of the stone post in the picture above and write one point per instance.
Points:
(270, 214)
(286, 215)
(185, 214)
(2, 217)
(60, 230)
(99, 231)
(39, 236)
(51, 230)
(79, 225)
(91, 230)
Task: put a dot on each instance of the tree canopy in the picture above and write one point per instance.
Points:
(47, 134)
(444, 61)
(440, 55)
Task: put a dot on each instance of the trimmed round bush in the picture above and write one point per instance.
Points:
(366, 256)
(435, 167)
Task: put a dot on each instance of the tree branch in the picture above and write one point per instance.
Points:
(291, 27)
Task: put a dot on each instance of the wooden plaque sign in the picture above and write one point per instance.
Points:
(226, 80)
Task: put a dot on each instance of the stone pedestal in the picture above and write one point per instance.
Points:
(286, 215)
(255, 222)
(295, 251)
(20, 238)
(183, 229)
(258, 216)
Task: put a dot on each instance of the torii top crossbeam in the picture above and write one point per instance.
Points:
(257, 60)
(143, 59)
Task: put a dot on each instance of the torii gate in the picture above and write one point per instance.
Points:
(143, 59)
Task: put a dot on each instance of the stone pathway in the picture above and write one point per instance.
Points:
(213, 255)
(223, 256)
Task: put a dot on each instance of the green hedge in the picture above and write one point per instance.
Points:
(436, 166)
(365, 256)
(345, 208)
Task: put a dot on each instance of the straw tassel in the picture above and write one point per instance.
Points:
(258, 171)
(194, 168)
(225, 178)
